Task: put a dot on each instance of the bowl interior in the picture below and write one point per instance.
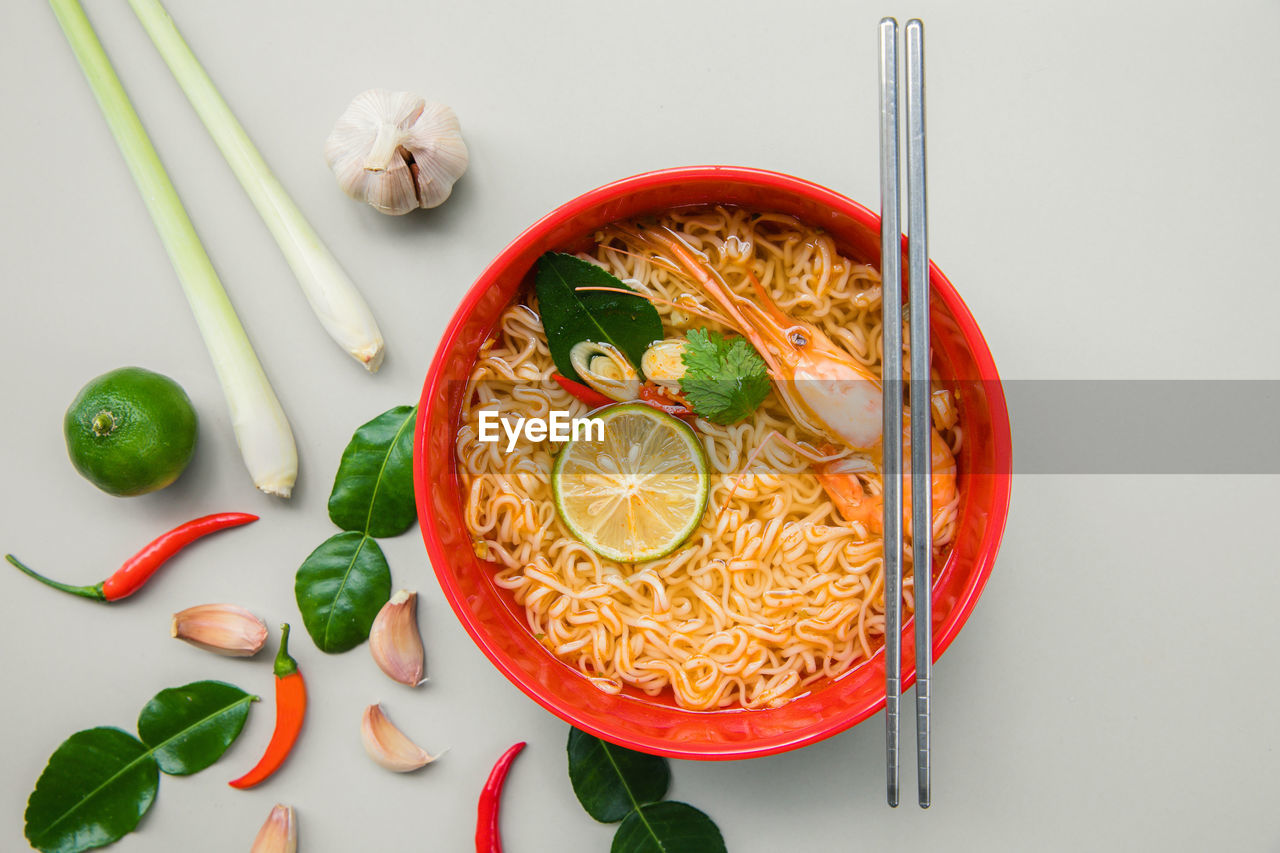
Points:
(497, 624)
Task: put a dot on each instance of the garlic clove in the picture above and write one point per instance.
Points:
(279, 834)
(387, 745)
(397, 151)
(226, 629)
(395, 642)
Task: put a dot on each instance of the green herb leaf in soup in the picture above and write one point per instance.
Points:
(667, 828)
(724, 379)
(96, 787)
(188, 728)
(570, 315)
(373, 490)
(340, 588)
(611, 781)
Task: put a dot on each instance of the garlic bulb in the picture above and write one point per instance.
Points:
(396, 151)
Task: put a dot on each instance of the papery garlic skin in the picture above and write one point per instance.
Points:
(389, 746)
(397, 151)
(279, 834)
(394, 640)
(226, 629)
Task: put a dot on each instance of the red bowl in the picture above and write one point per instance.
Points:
(655, 724)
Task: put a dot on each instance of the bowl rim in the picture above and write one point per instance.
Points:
(940, 285)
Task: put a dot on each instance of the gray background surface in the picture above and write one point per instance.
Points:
(1103, 186)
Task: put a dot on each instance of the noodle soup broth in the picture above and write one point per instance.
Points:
(780, 586)
(749, 712)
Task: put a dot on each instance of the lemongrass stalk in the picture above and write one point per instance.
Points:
(334, 298)
(261, 428)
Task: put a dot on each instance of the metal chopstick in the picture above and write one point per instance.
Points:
(921, 423)
(891, 302)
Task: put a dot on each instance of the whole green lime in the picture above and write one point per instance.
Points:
(130, 431)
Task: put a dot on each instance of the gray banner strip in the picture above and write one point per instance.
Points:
(1145, 426)
(1137, 426)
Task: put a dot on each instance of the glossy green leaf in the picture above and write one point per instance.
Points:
(96, 787)
(340, 589)
(570, 316)
(373, 490)
(667, 828)
(188, 728)
(611, 781)
(100, 782)
(725, 379)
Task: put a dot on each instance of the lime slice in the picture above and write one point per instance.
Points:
(638, 494)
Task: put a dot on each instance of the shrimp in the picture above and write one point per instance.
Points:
(824, 389)
(840, 479)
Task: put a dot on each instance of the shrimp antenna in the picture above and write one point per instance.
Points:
(656, 260)
(807, 452)
(737, 481)
(796, 447)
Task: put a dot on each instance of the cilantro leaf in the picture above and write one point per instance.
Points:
(724, 379)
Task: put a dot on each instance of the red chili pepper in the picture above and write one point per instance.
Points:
(593, 398)
(659, 399)
(488, 834)
(291, 707)
(139, 568)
